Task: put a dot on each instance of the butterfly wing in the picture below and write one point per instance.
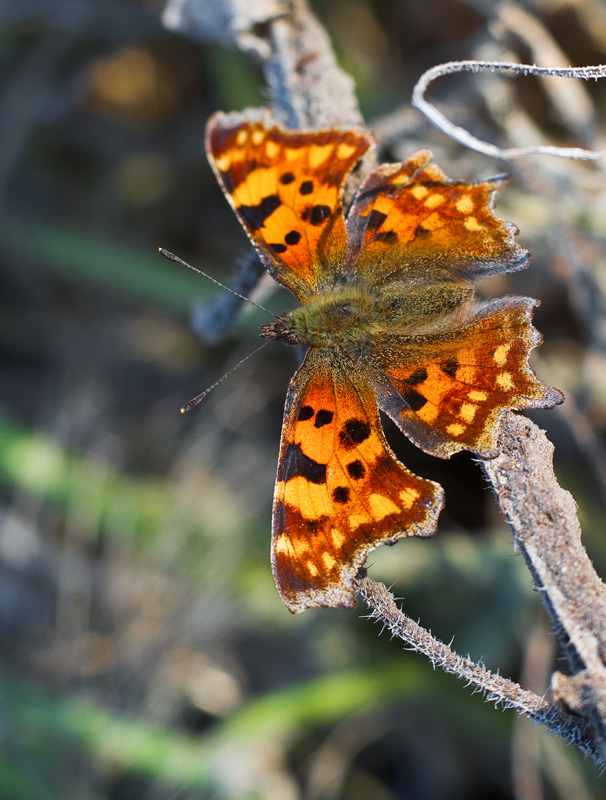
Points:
(340, 491)
(446, 390)
(286, 188)
(409, 221)
(447, 366)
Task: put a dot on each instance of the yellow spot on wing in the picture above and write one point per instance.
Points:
(254, 188)
(500, 354)
(429, 413)
(318, 153)
(505, 381)
(478, 395)
(241, 137)
(223, 162)
(468, 411)
(310, 499)
(419, 191)
(282, 544)
(291, 153)
(345, 150)
(383, 204)
(311, 568)
(434, 200)
(337, 538)
(464, 204)
(271, 149)
(472, 224)
(402, 180)
(408, 497)
(381, 506)
(257, 136)
(328, 561)
(456, 429)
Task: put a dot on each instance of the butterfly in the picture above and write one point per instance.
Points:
(389, 319)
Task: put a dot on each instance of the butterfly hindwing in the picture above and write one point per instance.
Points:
(451, 387)
(340, 491)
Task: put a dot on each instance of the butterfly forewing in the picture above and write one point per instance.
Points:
(410, 221)
(287, 189)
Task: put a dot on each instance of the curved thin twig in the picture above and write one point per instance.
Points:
(463, 136)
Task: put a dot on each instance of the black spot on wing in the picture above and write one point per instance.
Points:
(450, 367)
(356, 470)
(341, 495)
(414, 400)
(227, 181)
(374, 220)
(318, 214)
(417, 377)
(305, 412)
(323, 417)
(355, 431)
(279, 516)
(292, 237)
(295, 463)
(306, 187)
(254, 216)
(387, 237)
(287, 178)
(277, 248)
(419, 232)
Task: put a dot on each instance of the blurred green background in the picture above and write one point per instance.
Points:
(144, 652)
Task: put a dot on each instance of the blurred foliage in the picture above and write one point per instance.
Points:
(144, 650)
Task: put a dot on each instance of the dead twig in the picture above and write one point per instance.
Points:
(493, 686)
(468, 140)
(546, 529)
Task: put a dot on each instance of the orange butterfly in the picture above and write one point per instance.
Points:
(389, 320)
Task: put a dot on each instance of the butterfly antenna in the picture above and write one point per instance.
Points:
(173, 257)
(199, 397)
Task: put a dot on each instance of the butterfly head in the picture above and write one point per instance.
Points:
(281, 331)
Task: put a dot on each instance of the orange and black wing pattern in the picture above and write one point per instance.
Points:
(451, 387)
(409, 221)
(390, 321)
(340, 491)
(286, 188)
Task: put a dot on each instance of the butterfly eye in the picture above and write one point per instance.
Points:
(345, 310)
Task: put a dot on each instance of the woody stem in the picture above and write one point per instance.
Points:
(493, 686)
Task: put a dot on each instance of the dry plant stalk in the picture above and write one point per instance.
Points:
(465, 138)
(309, 90)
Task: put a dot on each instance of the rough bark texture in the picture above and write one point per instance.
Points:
(546, 529)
